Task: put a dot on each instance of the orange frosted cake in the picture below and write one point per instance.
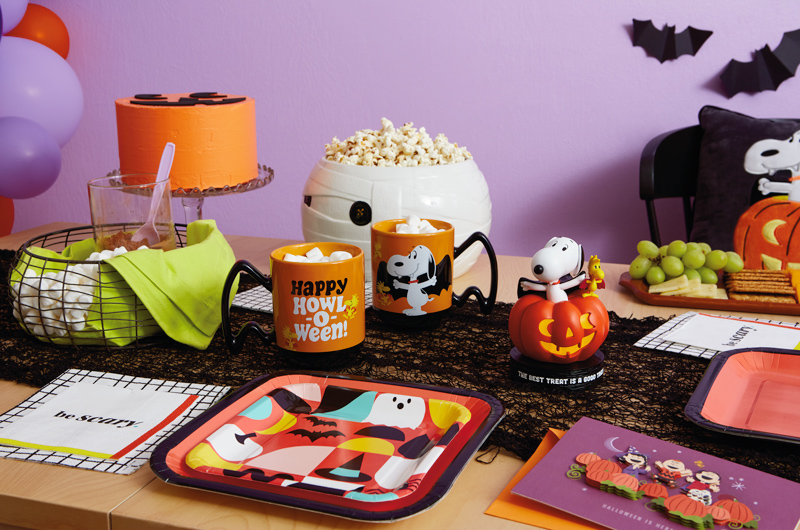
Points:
(214, 136)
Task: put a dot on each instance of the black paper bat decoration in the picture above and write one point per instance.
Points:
(664, 44)
(768, 69)
(316, 435)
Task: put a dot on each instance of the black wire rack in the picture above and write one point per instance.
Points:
(77, 303)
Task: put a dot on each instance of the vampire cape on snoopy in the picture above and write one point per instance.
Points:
(443, 271)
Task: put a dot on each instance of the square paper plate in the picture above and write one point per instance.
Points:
(750, 392)
(353, 447)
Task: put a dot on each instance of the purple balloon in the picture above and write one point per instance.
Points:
(38, 84)
(13, 11)
(30, 158)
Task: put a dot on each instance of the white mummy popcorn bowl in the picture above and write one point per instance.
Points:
(346, 193)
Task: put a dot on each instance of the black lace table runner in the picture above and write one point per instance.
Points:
(641, 390)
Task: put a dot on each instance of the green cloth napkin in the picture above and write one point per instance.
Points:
(182, 288)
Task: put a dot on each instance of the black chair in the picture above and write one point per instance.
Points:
(668, 169)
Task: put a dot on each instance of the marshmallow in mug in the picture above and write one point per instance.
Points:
(315, 255)
(415, 225)
(54, 303)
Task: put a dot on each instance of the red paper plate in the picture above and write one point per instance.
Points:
(750, 392)
(353, 447)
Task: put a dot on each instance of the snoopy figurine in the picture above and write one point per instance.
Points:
(419, 262)
(557, 268)
(772, 155)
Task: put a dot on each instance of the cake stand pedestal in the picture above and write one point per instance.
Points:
(192, 200)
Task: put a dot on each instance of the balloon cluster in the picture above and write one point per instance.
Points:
(41, 100)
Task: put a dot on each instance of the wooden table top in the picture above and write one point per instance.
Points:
(44, 496)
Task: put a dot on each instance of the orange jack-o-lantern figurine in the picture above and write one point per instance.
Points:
(557, 336)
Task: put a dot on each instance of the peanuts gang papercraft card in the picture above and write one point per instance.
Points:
(626, 480)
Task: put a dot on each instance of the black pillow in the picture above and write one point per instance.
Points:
(723, 186)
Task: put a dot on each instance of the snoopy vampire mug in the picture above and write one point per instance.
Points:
(317, 300)
(412, 273)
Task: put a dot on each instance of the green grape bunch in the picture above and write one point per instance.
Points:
(657, 264)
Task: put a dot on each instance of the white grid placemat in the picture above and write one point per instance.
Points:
(260, 299)
(207, 396)
(655, 341)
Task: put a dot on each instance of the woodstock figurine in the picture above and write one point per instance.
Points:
(595, 280)
(557, 268)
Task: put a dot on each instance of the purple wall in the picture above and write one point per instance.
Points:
(551, 98)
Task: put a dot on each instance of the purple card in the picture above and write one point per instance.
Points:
(626, 480)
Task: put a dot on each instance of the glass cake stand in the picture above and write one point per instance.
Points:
(192, 200)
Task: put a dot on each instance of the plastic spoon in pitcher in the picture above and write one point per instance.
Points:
(148, 229)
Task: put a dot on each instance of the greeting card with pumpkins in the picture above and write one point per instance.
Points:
(625, 480)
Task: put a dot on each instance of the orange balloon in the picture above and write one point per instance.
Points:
(6, 216)
(43, 26)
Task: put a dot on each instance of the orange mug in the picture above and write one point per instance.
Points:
(318, 307)
(412, 273)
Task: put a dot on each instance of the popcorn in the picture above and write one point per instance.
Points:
(415, 225)
(391, 147)
(54, 303)
(315, 255)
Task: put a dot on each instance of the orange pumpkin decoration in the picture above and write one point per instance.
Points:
(625, 480)
(562, 332)
(719, 514)
(686, 506)
(655, 490)
(600, 470)
(585, 459)
(740, 513)
(763, 235)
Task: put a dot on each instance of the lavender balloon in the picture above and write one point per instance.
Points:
(30, 158)
(13, 11)
(38, 84)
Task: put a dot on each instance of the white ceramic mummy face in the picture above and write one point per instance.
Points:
(770, 155)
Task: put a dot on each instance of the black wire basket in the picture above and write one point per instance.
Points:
(77, 303)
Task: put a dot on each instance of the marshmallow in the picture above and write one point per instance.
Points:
(340, 255)
(315, 255)
(415, 225)
(58, 301)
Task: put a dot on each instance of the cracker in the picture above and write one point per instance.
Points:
(759, 287)
(772, 298)
(750, 274)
